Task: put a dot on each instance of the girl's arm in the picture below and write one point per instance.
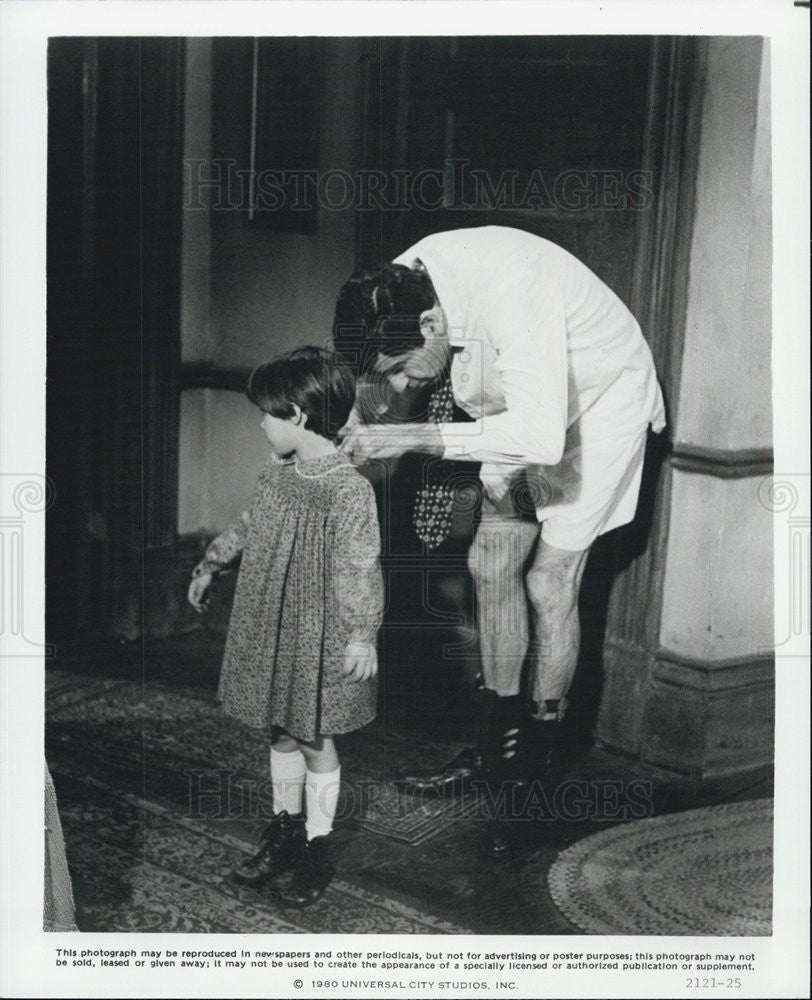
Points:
(224, 549)
(356, 571)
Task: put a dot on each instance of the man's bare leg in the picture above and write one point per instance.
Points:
(553, 583)
(497, 559)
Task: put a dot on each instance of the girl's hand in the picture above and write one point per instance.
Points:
(360, 661)
(197, 592)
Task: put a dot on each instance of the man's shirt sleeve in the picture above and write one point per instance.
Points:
(525, 323)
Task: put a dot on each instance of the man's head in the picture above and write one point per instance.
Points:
(389, 321)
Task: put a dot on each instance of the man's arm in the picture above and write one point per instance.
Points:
(527, 328)
(362, 442)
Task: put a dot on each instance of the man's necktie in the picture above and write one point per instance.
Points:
(435, 501)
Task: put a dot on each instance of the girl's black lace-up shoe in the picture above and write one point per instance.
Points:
(279, 850)
(312, 874)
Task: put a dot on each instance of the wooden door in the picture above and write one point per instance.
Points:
(543, 134)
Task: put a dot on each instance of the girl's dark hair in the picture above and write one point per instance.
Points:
(319, 382)
(378, 312)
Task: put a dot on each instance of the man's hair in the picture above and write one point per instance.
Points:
(319, 382)
(378, 312)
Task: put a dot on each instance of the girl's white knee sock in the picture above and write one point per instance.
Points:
(321, 798)
(287, 780)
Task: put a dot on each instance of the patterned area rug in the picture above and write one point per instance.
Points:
(139, 866)
(701, 872)
(174, 743)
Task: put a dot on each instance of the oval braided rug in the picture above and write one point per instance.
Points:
(705, 871)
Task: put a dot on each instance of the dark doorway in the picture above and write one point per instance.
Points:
(543, 133)
(113, 255)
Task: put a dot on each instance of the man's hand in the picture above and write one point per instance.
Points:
(360, 661)
(363, 443)
(197, 592)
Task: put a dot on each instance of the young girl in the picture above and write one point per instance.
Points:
(300, 660)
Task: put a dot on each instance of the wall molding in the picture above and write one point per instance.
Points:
(710, 718)
(722, 463)
(713, 676)
(701, 717)
(206, 375)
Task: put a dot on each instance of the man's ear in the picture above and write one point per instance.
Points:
(299, 418)
(432, 321)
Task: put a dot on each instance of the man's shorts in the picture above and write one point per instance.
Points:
(592, 490)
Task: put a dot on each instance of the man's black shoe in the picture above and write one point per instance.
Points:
(280, 846)
(544, 750)
(467, 766)
(497, 843)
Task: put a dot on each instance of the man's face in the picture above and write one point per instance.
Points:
(421, 365)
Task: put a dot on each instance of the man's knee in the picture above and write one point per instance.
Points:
(497, 554)
(554, 580)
